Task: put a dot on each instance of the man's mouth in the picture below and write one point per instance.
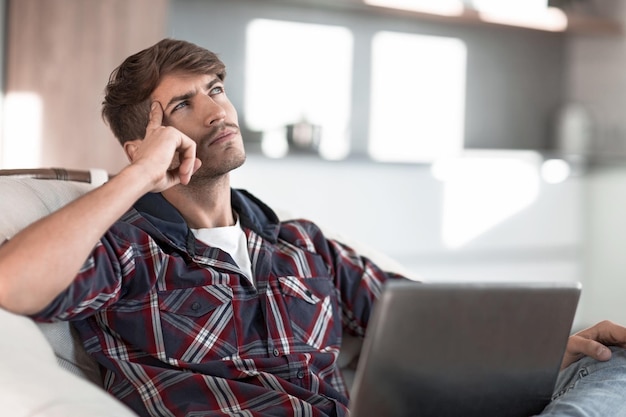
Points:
(222, 134)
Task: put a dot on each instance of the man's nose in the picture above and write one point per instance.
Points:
(213, 111)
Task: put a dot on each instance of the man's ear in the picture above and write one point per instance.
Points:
(130, 147)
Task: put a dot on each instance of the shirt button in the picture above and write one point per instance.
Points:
(276, 352)
(195, 306)
(300, 374)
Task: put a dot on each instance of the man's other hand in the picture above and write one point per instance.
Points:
(594, 342)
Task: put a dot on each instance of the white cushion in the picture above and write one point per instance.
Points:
(31, 381)
(32, 384)
(25, 200)
(28, 200)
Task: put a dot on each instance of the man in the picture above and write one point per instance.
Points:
(193, 298)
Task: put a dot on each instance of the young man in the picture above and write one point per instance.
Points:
(192, 296)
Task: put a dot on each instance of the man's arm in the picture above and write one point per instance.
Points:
(42, 260)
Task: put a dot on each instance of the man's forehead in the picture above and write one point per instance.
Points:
(177, 83)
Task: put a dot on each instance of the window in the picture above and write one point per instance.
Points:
(299, 80)
(299, 75)
(22, 131)
(417, 97)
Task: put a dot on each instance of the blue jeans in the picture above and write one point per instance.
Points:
(591, 388)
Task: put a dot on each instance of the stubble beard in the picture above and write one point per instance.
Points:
(213, 170)
(232, 156)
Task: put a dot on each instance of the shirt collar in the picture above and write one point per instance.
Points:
(253, 213)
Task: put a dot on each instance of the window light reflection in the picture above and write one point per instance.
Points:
(482, 190)
(551, 19)
(510, 6)
(274, 143)
(555, 171)
(439, 7)
(22, 130)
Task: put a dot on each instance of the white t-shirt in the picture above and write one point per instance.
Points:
(230, 239)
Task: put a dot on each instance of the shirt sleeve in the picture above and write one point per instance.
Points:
(104, 277)
(360, 282)
(357, 278)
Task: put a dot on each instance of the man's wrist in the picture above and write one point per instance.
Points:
(139, 177)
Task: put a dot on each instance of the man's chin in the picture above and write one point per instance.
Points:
(211, 172)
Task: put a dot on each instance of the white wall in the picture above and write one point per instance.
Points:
(596, 79)
(2, 92)
(606, 244)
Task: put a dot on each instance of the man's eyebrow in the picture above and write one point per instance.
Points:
(190, 94)
(181, 97)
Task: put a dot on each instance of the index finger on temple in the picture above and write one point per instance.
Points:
(155, 117)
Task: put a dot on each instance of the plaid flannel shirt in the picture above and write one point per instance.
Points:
(179, 330)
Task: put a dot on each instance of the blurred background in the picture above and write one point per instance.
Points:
(470, 140)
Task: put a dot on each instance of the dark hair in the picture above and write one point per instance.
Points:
(126, 104)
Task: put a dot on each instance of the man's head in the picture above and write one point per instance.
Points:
(128, 94)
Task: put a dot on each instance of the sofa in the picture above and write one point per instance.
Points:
(44, 371)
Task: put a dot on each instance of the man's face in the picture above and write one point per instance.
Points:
(196, 104)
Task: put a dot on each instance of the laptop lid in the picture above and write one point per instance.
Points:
(463, 349)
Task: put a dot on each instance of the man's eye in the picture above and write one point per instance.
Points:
(216, 90)
(179, 106)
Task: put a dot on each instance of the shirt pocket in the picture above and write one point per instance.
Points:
(312, 307)
(198, 323)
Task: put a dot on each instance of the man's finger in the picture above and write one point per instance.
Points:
(187, 157)
(578, 347)
(187, 169)
(156, 115)
(591, 348)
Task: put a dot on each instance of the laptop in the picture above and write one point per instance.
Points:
(463, 349)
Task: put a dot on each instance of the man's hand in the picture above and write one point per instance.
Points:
(167, 155)
(594, 342)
